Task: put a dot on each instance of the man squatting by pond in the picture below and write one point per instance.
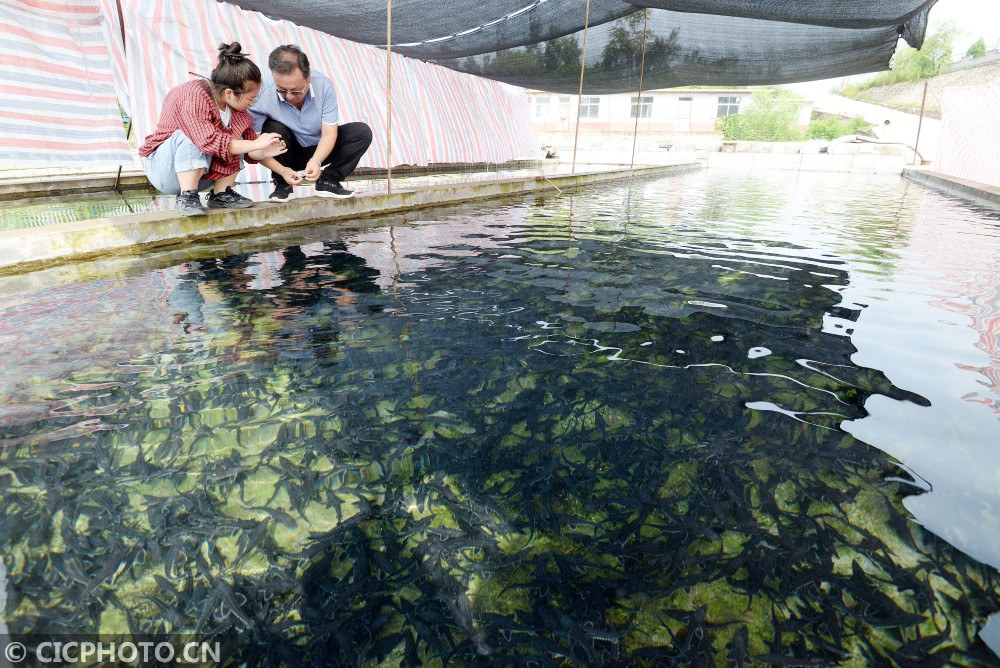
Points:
(204, 134)
(300, 105)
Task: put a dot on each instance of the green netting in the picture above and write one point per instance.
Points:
(539, 43)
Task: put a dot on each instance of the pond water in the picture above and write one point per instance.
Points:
(706, 419)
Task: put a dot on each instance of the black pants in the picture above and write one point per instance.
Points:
(353, 139)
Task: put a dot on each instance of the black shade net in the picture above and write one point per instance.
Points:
(539, 43)
(445, 28)
(830, 13)
(685, 52)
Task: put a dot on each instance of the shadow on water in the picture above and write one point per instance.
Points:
(560, 432)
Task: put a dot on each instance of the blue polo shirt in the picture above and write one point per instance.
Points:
(305, 123)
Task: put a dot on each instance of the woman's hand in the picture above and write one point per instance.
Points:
(268, 145)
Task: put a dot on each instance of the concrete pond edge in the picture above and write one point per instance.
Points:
(980, 193)
(41, 247)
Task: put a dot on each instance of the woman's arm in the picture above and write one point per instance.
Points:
(266, 145)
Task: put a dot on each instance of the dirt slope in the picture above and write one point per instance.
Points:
(906, 96)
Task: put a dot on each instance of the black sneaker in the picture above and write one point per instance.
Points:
(282, 192)
(229, 199)
(326, 188)
(189, 203)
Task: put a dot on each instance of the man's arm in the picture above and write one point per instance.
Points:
(327, 140)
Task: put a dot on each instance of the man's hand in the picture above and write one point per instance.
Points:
(269, 145)
(313, 170)
(291, 177)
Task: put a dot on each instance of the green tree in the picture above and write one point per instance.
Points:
(771, 116)
(910, 64)
(977, 49)
(835, 126)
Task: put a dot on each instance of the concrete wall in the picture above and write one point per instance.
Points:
(809, 162)
(663, 149)
(970, 134)
(806, 156)
(970, 190)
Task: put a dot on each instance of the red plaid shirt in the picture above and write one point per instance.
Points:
(192, 108)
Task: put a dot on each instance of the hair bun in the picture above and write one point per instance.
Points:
(234, 69)
(231, 52)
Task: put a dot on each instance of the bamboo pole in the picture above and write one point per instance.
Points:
(388, 96)
(920, 124)
(642, 67)
(121, 21)
(579, 100)
(121, 24)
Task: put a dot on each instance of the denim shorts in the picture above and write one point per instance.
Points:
(177, 154)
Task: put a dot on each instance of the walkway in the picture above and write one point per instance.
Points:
(902, 127)
(153, 222)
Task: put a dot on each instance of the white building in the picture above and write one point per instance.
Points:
(667, 110)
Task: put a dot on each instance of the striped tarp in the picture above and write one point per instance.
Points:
(970, 133)
(57, 94)
(439, 115)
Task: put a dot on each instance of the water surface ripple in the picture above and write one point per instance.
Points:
(711, 419)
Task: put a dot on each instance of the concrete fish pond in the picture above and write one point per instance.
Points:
(716, 418)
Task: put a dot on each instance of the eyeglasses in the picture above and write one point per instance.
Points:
(290, 93)
(253, 99)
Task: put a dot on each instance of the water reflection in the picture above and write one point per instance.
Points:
(935, 330)
(602, 428)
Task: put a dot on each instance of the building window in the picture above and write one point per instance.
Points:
(642, 108)
(728, 105)
(542, 106)
(590, 107)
